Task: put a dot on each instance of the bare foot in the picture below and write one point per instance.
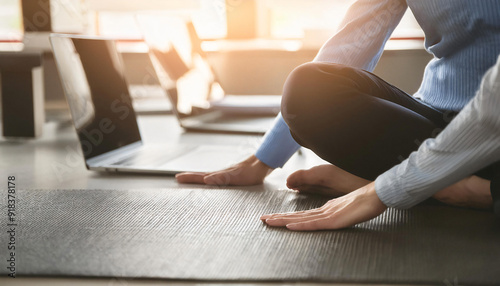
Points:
(326, 180)
(471, 192)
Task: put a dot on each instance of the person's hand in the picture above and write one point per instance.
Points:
(249, 172)
(355, 207)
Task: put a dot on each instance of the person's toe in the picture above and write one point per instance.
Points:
(297, 179)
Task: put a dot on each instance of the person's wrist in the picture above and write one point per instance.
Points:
(376, 201)
(260, 167)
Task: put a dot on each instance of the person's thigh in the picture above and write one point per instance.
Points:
(495, 191)
(490, 172)
(355, 120)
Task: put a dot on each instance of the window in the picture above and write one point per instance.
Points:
(208, 16)
(312, 21)
(10, 20)
(66, 16)
(309, 20)
(320, 18)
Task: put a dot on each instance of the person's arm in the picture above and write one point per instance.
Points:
(362, 35)
(359, 43)
(469, 143)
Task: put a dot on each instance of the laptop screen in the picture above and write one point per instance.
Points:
(91, 72)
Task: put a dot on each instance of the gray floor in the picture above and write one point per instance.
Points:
(53, 162)
(426, 245)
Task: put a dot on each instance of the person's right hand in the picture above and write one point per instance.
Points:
(249, 172)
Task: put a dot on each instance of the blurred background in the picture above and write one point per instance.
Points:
(251, 44)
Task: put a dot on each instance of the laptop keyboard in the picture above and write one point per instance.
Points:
(152, 157)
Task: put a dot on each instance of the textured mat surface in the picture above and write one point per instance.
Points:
(216, 234)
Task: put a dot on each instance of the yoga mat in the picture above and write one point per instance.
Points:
(215, 234)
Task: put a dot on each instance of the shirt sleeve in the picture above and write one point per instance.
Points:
(277, 145)
(469, 143)
(359, 43)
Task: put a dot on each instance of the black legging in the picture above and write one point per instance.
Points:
(357, 121)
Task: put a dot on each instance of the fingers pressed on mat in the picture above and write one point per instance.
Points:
(219, 179)
(283, 221)
(191, 177)
(293, 214)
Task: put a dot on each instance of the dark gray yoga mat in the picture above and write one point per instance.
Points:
(216, 234)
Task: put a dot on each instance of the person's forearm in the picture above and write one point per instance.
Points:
(469, 143)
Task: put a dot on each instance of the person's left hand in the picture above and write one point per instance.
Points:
(358, 206)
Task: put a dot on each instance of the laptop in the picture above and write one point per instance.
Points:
(92, 76)
(149, 99)
(197, 98)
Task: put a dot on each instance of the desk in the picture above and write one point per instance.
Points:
(34, 163)
(22, 94)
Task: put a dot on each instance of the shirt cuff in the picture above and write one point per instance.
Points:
(277, 145)
(391, 191)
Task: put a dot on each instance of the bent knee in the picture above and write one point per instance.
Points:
(307, 86)
(298, 82)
